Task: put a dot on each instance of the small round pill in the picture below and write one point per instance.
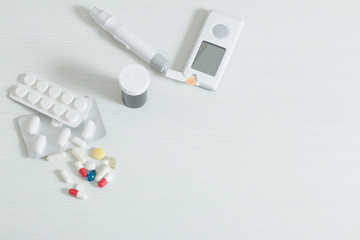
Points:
(98, 153)
(54, 92)
(71, 116)
(33, 125)
(65, 176)
(41, 86)
(90, 166)
(45, 103)
(80, 104)
(58, 110)
(20, 91)
(67, 98)
(79, 187)
(29, 79)
(33, 98)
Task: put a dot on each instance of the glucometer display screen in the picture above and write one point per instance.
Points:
(208, 58)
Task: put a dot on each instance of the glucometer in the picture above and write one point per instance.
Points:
(213, 49)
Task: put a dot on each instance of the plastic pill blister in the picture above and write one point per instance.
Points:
(42, 137)
(51, 99)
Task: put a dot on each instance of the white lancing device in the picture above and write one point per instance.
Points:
(129, 39)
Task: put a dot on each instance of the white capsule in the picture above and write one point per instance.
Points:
(33, 125)
(29, 79)
(41, 86)
(90, 166)
(78, 142)
(20, 91)
(39, 144)
(88, 130)
(55, 123)
(79, 187)
(33, 98)
(65, 176)
(56, 156)
(79, 155)
(105, 170)
(81, 195)
(63, 137)
(109, 176)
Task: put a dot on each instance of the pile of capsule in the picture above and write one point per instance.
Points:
(87, 169)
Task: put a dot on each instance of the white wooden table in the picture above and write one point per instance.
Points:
(273, 154)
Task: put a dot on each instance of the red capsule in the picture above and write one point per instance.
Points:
(77, 194)
(81, 169)
(108, 177)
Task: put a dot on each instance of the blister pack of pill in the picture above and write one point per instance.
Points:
(43, 135)
(51, 99)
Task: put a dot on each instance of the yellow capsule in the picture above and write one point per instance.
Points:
(98, 153)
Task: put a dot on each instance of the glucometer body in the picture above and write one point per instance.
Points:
(213, 48)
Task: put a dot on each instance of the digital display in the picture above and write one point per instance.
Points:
(208, 58)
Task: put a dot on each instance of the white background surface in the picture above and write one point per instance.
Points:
(273, 154)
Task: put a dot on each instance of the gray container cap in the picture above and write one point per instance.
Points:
(134, 80)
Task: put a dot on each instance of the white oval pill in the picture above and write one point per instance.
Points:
(33, 125)
(71, 116)
(33, 98)
(41, 86)
(79, 155)
(80, 104)
(78, 142)
(65, 176)
(56, 156)
(58, 110)
(63, 137)
(54, 92)
(88, 130)
(29, 79)
(90, 166)
(20, 91)
(105, 170)
(67, 98)
(79, 187)
(39, 145)
(45, 103)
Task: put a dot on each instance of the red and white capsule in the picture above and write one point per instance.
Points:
(80, 168)
(77, 194)
(108, 177)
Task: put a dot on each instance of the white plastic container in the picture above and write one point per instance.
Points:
(134, 83)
